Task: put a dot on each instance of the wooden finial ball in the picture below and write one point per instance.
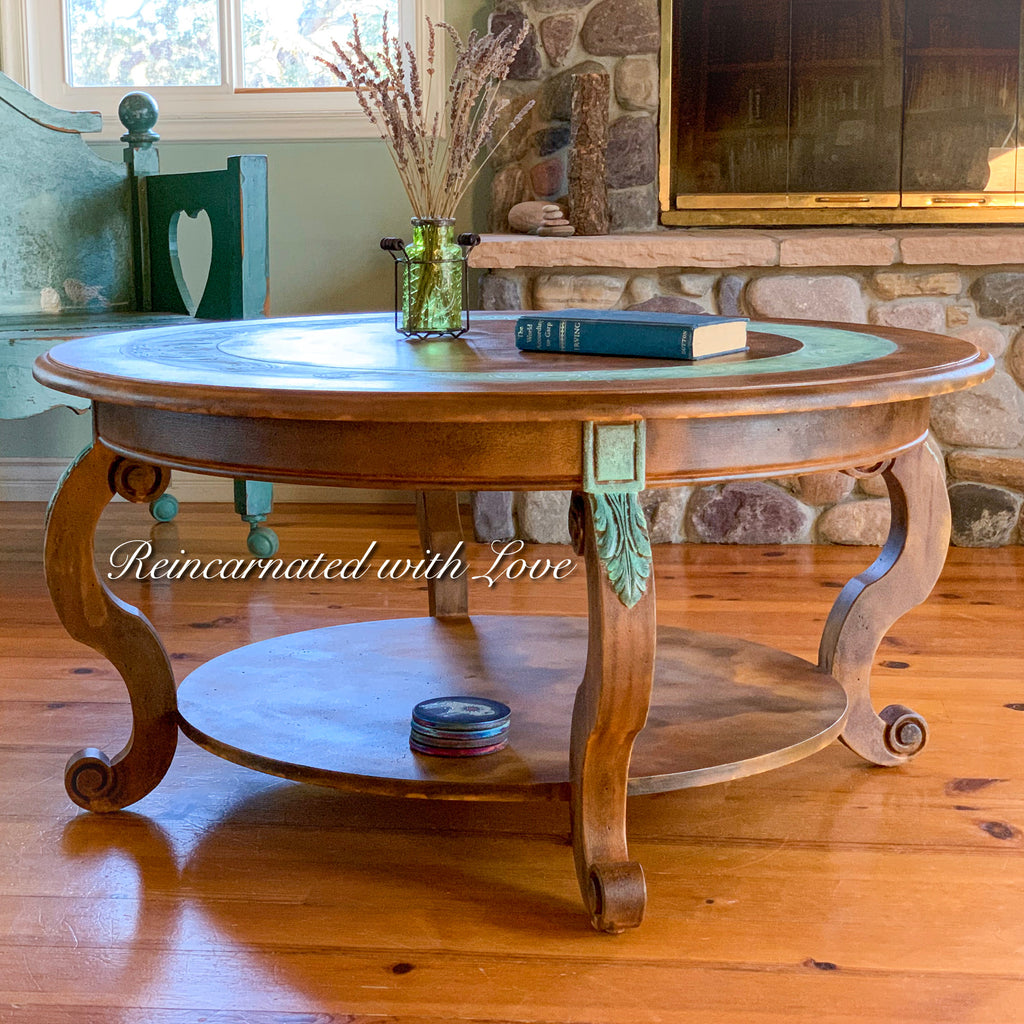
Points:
(138, 113)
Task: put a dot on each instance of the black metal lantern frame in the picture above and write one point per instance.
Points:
(396, 248)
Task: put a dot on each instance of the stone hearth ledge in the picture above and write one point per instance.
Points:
(722, 248)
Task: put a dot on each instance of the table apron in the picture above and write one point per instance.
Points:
(519, 455)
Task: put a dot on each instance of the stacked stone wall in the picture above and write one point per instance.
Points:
(618, 37)
(979, 432)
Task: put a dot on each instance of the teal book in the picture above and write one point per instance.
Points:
(631, 333)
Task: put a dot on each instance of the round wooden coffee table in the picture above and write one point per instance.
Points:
(347, 401)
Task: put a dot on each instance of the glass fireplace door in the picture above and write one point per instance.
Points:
(960, 132)
(788, 102)
(732, 81)
(842, 111)
(846, 99)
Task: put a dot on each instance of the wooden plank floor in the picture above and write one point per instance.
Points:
(828, 890)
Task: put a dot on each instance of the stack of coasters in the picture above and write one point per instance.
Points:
(459, 726)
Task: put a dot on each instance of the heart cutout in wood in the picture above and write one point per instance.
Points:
(191, 247)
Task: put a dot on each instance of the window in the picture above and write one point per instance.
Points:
(219, 69)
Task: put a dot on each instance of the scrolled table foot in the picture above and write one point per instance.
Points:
(99, 783)
(89, 778)
(616, 895)
(892, 737)
(906, 732)
(901, 577)
(164, 508)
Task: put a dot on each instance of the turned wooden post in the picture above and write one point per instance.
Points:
(138, 114)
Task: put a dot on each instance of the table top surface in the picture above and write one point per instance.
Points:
(358, 366)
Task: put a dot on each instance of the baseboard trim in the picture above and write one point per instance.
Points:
(36, 480)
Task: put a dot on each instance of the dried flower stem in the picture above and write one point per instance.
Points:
(433, 155)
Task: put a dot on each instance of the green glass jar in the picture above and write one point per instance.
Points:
(432, 277)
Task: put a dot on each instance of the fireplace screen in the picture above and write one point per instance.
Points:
(838, 111)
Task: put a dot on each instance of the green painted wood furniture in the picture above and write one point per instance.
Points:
(89, 247)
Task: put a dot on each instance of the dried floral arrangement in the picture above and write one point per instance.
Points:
(434, 154)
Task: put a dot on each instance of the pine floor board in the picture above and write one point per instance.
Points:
(826, 891)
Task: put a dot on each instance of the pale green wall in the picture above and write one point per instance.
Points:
(330, 204)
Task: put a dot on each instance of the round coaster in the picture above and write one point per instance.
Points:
(420, 748)
(426, 732)
(460, 713)
(457, 741)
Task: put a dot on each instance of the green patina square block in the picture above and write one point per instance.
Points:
(613, 456)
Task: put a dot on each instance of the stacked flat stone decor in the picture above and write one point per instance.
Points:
(967, 282)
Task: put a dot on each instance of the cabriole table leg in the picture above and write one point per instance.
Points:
(121, 633)
(611, 704)
(900, 579)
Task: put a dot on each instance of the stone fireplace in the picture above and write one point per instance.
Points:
(777, 112)
(966, 280)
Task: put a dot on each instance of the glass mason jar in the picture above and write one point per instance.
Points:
(432, 277)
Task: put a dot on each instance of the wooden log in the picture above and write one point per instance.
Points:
(588, 190)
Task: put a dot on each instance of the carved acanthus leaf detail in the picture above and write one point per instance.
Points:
(620, 532)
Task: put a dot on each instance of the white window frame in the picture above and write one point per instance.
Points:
(33, 51)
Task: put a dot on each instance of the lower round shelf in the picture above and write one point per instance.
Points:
(332, 706)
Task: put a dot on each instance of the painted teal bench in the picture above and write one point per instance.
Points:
(88, 246)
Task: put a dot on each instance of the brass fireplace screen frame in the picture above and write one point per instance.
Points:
(1000, 200)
